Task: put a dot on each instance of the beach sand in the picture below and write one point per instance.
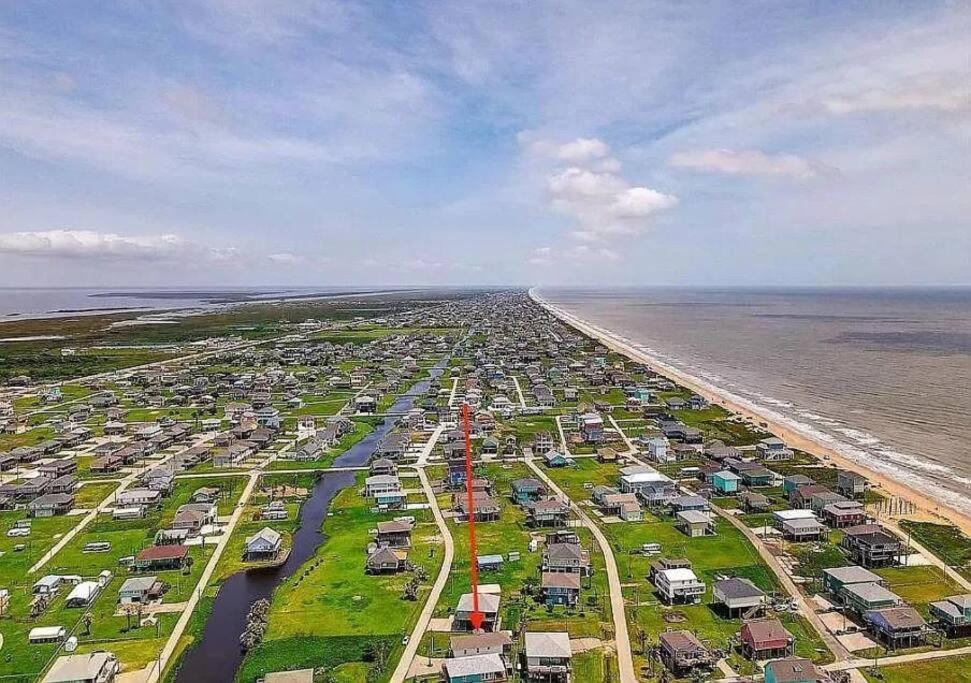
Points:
(928, 508)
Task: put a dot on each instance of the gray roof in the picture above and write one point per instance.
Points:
(872, 592)
(547, 644)
(738, 588)
(853, 574)
(78, 667)
(474, 665)
(138, 583)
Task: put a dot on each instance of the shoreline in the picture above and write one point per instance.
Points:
(928, 507)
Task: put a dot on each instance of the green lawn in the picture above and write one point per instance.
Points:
(331, 612)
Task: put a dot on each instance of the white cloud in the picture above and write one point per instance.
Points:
(942, 92)
(284, 258)
(106, 246)
(577, 254)
(745, 162)
(591, 190)
(604, 204)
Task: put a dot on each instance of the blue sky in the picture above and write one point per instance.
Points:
(250, 142)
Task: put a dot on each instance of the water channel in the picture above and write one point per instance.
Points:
(217, 656)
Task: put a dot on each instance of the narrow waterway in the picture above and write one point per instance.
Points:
(217, 655)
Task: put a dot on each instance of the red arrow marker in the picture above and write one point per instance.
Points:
(477, 617)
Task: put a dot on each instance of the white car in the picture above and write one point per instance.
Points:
(19, 531)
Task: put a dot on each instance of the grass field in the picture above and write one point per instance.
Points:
(331, 612)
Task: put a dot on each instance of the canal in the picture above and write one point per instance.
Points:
(217, 655)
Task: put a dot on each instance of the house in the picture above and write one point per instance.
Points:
(843, 514)
(592, 427)
(651, 486)
(560, 588)
(865, 597)
(607, 455)
(756, 475)
(526, 490)
(51, 504)
(394, 534)
(657, 448)
(140, 589)
(547, 657)
(794, 670)
(106, 464)
(737, 596)
(499, 643)
(953, 614)
(263, 546)
(171, 536)
(566, 557)
(194, 516)
(803, 529)
(483, 668)
(688, 502)
(681, 652)
(488, 605)
(623, 505)
(725, 482)
(896, 626)
(542, 442)
(752, 501)
(94, 667)
(385, 489)
(766, 639)
(556, 459)
(147, 497)
(485, 508)
(694, 523)
(46, 634)
(161, 557)
(773, 449)
(386, 560)
(83, 594)
(547, 512)
(383, 466)
(851, 484)
(835, 579)
(870, 545)
(275, 510)
(679, 586)
(793, 482)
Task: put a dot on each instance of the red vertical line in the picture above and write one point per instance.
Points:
(473, 550)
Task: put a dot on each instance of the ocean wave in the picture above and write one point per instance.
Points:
(918, 473)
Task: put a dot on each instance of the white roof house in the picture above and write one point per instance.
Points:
(474, 665)
(99, 667)
(548, 645)
(83, 593)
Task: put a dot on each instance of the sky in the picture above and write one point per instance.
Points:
(252, 142)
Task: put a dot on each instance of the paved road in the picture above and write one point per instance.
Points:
(857, 663)
(625, 658)
(519, 390)
(411, 649)
(840, 652)
(173, 641)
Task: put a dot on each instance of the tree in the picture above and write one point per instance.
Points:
(86, 620)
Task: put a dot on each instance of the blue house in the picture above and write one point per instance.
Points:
(555, 459)
(526, 490)
(725, 482)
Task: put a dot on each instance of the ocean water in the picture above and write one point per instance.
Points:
(49, 302)
(882, 375)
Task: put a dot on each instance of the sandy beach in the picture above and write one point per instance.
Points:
(928, 508)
